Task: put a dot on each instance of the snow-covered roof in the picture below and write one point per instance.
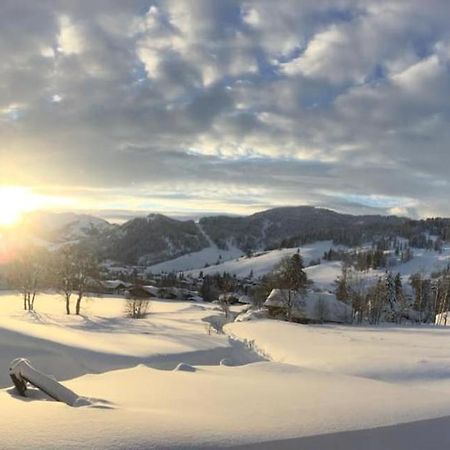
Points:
(152, 290)
(115, 284)
(320, 306)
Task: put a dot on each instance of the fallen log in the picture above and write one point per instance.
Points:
(22, 372)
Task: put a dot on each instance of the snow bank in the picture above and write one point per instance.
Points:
(103, 339)
(216, 406)
(322, 380)
(414, 356)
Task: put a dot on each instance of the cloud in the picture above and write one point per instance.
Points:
(235, 105)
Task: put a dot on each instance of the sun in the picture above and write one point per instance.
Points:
(14, 202)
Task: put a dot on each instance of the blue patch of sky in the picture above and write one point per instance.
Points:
(377, 75)
(373, 201)
(139, 73)
(323, 18)
(424, 46)
(319, 95)
(333, 15)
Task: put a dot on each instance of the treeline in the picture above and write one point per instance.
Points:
(373, 258)
(386, 300)
(416, 233)
(362, 260)
(214, 285)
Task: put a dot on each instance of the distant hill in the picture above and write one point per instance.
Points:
(63, 227)
(290, 226)
(152, 239)
(156, 238)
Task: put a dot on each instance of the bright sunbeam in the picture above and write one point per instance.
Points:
(14, 202)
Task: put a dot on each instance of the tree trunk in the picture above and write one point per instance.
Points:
(67, 304)
(289, 307)
(32, 300)
(25, 301)
(29, 301)
(78, 304)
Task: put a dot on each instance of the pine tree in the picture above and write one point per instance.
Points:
(391, 303)
(291, 278)
(342, 290)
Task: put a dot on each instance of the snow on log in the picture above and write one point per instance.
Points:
(22, 372)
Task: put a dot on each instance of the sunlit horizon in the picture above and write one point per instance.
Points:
(19, 201)
(16, 201)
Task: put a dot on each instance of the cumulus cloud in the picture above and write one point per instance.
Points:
(228, 105)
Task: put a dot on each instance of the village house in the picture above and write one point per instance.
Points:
(310, 307)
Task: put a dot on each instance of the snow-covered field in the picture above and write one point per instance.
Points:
(323, 387)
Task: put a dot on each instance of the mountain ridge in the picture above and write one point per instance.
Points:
(156, 238)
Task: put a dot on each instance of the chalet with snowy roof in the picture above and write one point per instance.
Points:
(139, 292)
(310, 307)
(115, 286)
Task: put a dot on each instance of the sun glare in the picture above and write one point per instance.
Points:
(14, 202)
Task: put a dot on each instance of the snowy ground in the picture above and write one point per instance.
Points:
(263, 262)
(325, 274)
(325, 387)
(196, 260)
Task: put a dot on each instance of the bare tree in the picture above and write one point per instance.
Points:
(357, 296)
(321, 309)
(64, 274)
(74, 267)
(28, 273)
(136, 307)
(225, 303)
(86, 269)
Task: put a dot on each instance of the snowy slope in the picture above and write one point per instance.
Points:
(323, 380)
(103, 339)
(425, 261)
(324, 274)
(413, 356)
(217, 406)
(263, 262)
(83, 226)
(196, 260)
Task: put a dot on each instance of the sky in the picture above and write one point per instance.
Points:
(213, 106)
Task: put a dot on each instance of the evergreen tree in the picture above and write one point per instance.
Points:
(391, 303)
(291, 278)
(342, 290)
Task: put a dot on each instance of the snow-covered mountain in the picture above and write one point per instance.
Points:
(152, 239)
(157, 239)
(168, 244)
(290, 226)
(64, 227)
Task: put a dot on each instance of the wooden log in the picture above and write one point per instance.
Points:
(22, 372)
